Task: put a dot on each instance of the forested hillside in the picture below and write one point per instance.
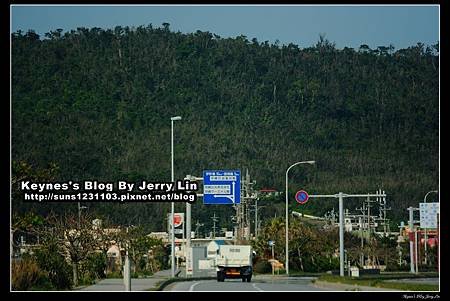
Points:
(97, 103)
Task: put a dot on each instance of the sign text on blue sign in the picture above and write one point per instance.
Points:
(221, 187)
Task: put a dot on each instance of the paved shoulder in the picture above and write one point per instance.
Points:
(139, 284)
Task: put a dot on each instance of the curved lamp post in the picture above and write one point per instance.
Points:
(287, 213)
(172, 234)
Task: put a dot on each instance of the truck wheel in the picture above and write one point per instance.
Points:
(220, 277)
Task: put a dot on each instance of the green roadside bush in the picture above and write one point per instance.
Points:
(115, 274)
(263, 267)
(50, 260)
(95, 266)
(142, 274)
(26, 275)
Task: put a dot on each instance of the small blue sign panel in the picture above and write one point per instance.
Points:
(221, 187)
(301, 197)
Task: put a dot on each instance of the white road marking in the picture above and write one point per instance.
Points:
(191, 288)
(257, 288)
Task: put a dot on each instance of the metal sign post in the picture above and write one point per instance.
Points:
(341, 234)
(416, 256)
(341, 197)
(127, 273)
(187, 247)
(426, 236)
(412, 238)
(272, 243)
(428, 220)
(188, 251)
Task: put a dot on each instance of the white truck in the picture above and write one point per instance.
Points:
(234, 261)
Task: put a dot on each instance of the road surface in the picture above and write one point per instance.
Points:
(260, 283)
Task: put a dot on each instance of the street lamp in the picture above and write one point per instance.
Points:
(287, 213)
(426, 236)
(172, 260)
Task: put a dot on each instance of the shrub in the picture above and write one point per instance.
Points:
(86, 279)
(95, 266)
(54, 264)
(263, 267)
(115, 274)
(324, 264)
(26, 274)
(140, 274)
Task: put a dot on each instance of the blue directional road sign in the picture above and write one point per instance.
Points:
(221, 187)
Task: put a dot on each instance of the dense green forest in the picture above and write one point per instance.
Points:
(96, 104)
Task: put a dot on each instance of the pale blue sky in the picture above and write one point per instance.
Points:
(351, 26)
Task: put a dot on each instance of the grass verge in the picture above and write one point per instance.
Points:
(378, 282)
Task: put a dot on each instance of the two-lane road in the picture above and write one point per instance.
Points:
(259, 284)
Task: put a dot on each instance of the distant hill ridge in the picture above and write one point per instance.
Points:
(98, 103)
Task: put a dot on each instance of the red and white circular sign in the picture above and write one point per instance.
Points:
(177, 220)
(301, 197)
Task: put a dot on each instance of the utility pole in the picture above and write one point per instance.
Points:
(369, 223)
(416, 253)
(382, 214)
(242, 210)
(438, 243)
(187, 249)
(341, 197)
(215, 219)
(197, 227)
(257, 220)
(235, 228)
(362, 230)
(368, 217)
(341, 233)
(127, 269)
(366, 226)
(237, 221)
(411, 238)
(361, 257)
(256, 217)
(127, 272)
(79, 214)
(401, 228)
